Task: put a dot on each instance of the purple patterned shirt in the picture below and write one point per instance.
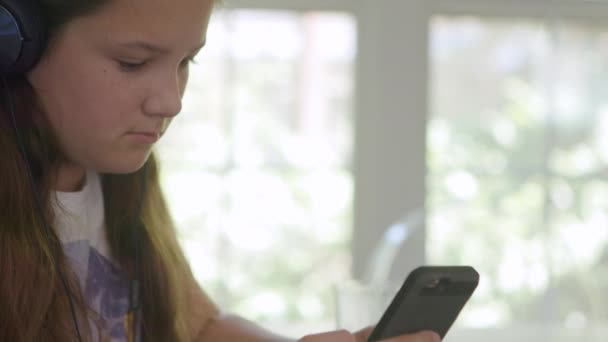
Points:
(81, 228)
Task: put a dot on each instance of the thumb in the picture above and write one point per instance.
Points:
(423, 336)
(363, 334)
(334, 336)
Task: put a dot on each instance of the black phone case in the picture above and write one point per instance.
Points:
(430, 299)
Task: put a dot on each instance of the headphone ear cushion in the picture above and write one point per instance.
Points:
(26, 37)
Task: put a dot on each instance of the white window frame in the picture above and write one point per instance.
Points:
(391, 105)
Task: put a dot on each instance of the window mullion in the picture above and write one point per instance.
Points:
(391, 106)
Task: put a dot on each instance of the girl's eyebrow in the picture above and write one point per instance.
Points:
(142, 45)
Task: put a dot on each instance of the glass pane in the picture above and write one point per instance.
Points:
(517, 169)
(257, 166)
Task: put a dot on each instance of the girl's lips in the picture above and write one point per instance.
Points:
(146, 138)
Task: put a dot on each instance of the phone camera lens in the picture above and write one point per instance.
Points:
(443, 285)
(433, 284)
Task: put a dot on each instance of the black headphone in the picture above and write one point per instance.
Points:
(22, 36)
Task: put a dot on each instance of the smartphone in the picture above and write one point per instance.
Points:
(430, 299)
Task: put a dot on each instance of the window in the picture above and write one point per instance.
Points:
(257, 166)
(517, 162)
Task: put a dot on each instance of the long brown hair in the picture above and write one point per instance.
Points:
(33, 301)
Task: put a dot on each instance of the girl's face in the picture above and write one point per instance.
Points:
(111, 82)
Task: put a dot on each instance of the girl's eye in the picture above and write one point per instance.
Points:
(188, 61)
(130, 66)
(135, 66)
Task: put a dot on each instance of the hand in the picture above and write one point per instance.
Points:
(362, 335)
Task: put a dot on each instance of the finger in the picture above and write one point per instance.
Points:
(334, 336)
(363, 334)
(423, 336)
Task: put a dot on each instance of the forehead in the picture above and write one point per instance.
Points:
(169, 21)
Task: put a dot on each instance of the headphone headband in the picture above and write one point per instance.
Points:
(22, 36)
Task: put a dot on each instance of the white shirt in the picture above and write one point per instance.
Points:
(80, 225)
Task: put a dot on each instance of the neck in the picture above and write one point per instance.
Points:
(70, 178)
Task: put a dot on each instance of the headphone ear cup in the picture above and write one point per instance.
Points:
(22, 36)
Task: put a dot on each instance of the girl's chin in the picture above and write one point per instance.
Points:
(125, 166)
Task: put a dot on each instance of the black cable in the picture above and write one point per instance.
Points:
(38, 201)
(135, 290)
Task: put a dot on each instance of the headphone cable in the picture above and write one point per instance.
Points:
(38, 201)
(135, 290)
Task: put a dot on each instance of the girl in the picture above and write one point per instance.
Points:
(88, 251)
